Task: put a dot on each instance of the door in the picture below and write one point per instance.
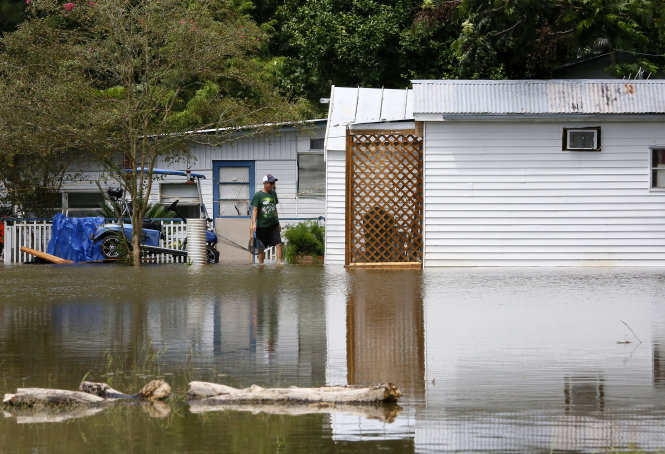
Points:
(233, 189)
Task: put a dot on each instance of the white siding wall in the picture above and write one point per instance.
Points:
(274, 153)
(335, 206)
(504, 194)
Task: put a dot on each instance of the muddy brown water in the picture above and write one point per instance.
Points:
(489, 360)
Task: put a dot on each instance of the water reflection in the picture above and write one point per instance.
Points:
(535, 360)
(584, 394)
(489, 360)
(385, 331)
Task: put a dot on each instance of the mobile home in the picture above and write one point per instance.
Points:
(504, 173)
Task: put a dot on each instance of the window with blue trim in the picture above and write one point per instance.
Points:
(234, 191)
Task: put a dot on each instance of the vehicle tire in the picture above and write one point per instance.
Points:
(212, 254)
(109, 246)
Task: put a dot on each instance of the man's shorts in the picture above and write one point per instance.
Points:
(269, 236)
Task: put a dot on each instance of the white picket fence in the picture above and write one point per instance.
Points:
(270, 254)
(175, 233)
(32, 234)
(36, 235)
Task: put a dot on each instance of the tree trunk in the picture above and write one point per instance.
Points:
(90, 394)
(33, 396)
(218, 394)
(137, 232)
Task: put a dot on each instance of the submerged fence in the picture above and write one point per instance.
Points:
(35, 234)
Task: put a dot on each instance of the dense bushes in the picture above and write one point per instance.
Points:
(305, 238)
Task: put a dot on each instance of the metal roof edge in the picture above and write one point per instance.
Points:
(377, 123)
(540, 117)
(284, 124)
(532, 81)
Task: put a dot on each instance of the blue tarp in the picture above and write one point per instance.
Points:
(70, 238)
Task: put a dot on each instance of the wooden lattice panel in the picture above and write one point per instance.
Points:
(384, 198)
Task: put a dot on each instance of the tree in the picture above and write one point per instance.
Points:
(42, 123)
(318, 43)
(156, 68)
(347, 42)
(529, 38)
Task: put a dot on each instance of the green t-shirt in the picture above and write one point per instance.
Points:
(267, 205)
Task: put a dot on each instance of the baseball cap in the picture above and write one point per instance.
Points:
(269, 178)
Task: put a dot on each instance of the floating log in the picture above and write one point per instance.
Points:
(155, 390)
(382, 412)
(90, 394)
(45, 256)
(218, 394)
(33, 396)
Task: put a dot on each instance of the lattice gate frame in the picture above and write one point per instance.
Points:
(384, 198)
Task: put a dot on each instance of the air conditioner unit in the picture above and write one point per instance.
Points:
(584, 139)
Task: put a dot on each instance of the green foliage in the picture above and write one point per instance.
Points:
(328, 42)
(529, 38)
(42, 123)
(374, 43)
(153, 211)
(631, 70)
(304, 238)
(116, 80)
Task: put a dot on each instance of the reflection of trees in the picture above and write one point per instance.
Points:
(385, 330)
(28, 346)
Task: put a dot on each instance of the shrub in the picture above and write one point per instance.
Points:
(305, 238)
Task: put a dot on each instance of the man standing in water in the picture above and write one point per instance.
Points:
(265, 221)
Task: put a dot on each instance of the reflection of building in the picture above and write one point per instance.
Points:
(584, 394)
(658, 344)
(385, 330)
(270, 335)
(658, 365)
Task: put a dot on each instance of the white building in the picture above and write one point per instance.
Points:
(510, 173)
(233, 171)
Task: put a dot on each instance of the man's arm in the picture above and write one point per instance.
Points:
(255, 211)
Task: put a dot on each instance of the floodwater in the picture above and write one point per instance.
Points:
(489, 360)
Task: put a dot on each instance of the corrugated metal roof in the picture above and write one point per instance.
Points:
(538, 97)
(364, 105)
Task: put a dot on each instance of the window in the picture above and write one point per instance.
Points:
(581, 139)
(187, 195)
(658, 168)
(311, 175)
(81, 204)
(183, 192)
(234, 191)
(316, 144)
